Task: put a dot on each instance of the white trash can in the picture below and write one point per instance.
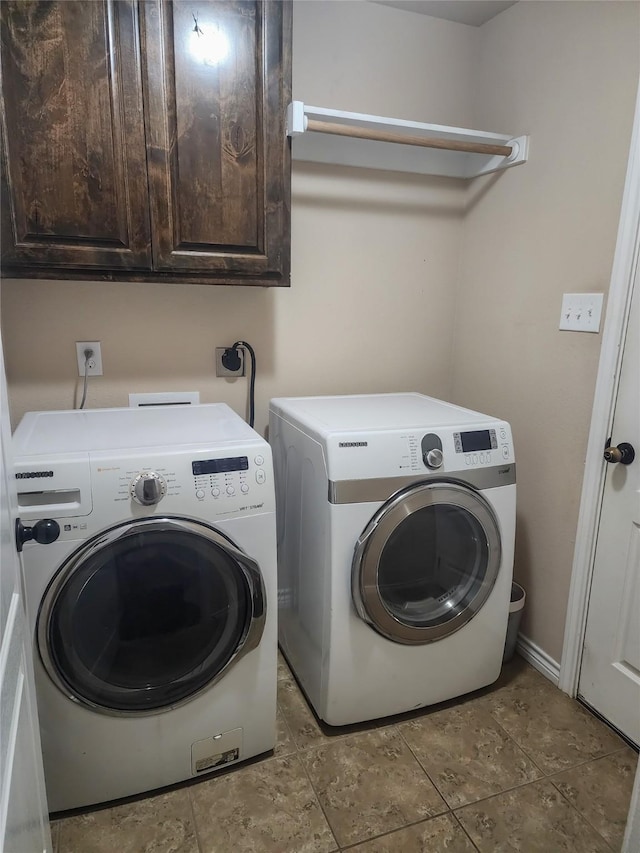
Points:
(518, 596)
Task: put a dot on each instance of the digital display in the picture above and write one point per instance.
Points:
(220, 466)
(479, 439)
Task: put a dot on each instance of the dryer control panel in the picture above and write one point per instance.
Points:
(439, 451)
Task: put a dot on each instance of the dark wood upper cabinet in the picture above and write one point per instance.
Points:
(147, 141)
(74, 162)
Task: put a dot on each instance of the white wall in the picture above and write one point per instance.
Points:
(566, 73)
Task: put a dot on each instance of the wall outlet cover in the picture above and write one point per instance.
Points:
(221, 370)
(94, 365)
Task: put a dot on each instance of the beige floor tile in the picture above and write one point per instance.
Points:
(533, 819)
(370, 783)
(268, 807)
(555, 731)
(54, 826)
(160, 824)
(301, 720)
(437, 835)
(467, 754)
(601, 792)
(283, 667)
(284, 742)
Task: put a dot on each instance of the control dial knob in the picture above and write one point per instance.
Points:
(433, 458)
(148, 488)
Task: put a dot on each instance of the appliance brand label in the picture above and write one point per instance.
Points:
(30, 475)
(353, 444)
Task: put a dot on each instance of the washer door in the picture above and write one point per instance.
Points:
(426, 562)
(147, 614)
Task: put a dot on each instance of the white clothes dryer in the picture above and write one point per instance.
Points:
(396, 523)
(153, 604)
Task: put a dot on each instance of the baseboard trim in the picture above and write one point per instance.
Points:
(538, 659)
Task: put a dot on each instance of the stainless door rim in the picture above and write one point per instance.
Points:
(249, 640)
(368, 550)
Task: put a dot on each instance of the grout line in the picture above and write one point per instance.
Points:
(54, 828)
(519, 746)
(283, 717)
(195, 822)
(319, 801)
(489, 796)
(424, 769)
(536, 764)
(582, 817)
(499, 794)
(409, 825)
(459, 822)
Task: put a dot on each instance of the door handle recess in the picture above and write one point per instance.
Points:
(623, 453)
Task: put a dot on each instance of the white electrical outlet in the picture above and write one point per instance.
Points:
(94, 365)
(581, 312)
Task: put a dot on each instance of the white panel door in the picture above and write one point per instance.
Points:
(610, 673)
(24, 824)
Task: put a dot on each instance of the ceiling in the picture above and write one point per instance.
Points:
(473, 12)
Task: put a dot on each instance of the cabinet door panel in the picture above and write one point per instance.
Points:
(74, 165)
(218, 156)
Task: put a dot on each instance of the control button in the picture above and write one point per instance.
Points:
(215, 492)
(467, 460)
(488, 457)
(503, 434)
(482, 458)
(261, 476)
(259, 460)
(244, 488)
(200, 494)
(505, 451)
(475, 458)
(230, 490)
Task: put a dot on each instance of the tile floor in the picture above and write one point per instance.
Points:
(516, 767)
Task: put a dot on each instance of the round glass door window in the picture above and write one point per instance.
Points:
(426, 562)
(146, 615)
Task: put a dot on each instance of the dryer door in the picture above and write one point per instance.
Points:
(426, 562)
(147, 614)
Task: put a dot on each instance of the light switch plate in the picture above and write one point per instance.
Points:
(581, 312)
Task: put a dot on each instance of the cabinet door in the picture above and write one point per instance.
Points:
(217, 86)
(74, 183)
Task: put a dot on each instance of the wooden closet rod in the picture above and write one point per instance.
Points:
(423, 141)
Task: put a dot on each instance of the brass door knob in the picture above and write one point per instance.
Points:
(623, 453)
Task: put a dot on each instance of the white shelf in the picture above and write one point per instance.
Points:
(310, 144)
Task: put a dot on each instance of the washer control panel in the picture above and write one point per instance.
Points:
(228, 478)
(209, 484)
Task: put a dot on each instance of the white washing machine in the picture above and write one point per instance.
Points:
(153, 604)
(396, 522)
